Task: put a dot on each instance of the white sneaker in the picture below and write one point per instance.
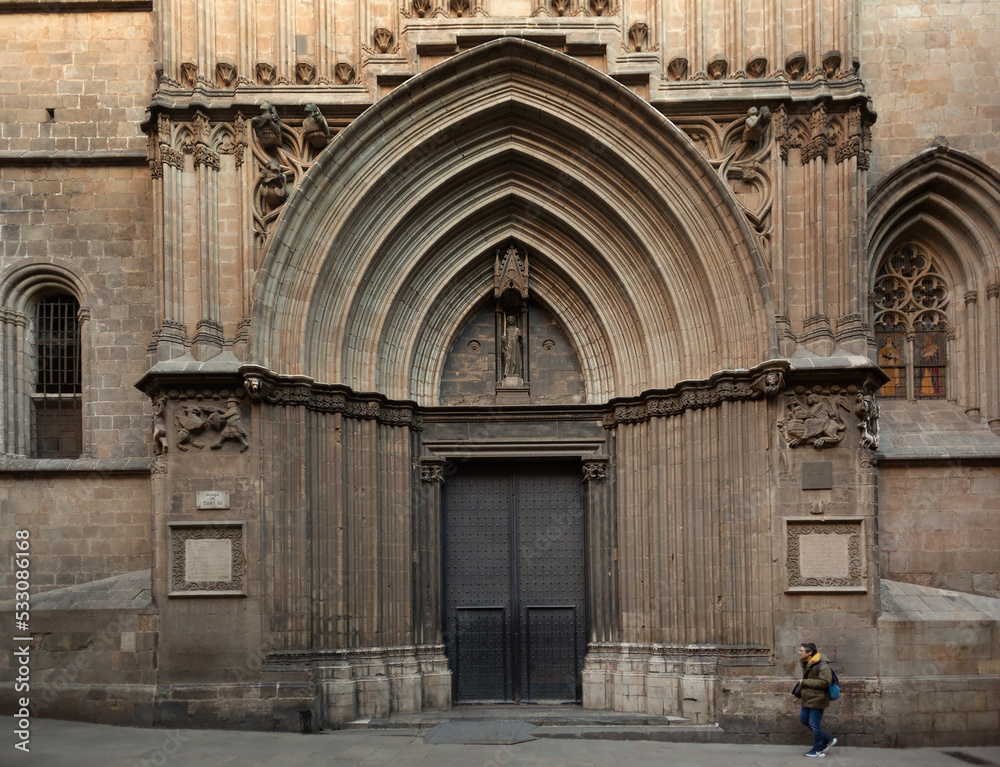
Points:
(814, 752)
(828, 746)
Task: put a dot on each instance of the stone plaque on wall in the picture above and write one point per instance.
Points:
(207, 559)
(817, 475)
(825, 555)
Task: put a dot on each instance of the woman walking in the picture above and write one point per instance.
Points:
(814, 691)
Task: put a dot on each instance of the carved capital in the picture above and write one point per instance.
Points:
(993, 291)
(432, 471)
(205, 156)
(172, 157)
(971, 297)
(595, 469)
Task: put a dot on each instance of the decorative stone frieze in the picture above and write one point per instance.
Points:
(764, 381)
(264, 387)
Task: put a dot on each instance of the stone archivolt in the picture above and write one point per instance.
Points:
(386, 226)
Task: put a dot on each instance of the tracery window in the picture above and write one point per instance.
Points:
(56, 399)
(911, 325)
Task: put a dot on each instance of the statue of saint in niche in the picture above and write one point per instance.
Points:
(513, 363)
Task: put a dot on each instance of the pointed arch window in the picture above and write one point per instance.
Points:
(57, 413)
(911, 324)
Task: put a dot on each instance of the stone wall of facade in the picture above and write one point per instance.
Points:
(285, 273)
(75, 82)
(939, 525)
(931, 70)
(82, 527)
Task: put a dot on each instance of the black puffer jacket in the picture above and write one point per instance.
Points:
(816, 680)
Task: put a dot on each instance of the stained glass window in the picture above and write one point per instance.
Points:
(911, 326)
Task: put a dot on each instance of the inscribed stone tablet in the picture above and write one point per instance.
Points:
(817, 475)
(823, 555)
(208, 560)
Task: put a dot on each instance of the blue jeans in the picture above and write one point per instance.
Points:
(813, 718)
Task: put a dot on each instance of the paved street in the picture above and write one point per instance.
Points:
(73, 744)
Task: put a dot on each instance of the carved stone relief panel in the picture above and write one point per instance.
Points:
(814, 419)
(825, 555)
(197, 419)
(207, 559)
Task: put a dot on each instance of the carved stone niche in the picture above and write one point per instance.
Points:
(510, 291)
(825, 555)
(207, 559)
(598, 7)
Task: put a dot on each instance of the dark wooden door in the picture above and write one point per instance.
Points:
(514, 581)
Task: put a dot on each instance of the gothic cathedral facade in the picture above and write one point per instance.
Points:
(373, 358)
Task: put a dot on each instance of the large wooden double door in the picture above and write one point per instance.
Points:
(515, 581)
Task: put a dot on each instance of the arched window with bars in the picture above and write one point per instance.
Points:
(42, 361)
(911, 300)
(57, 414)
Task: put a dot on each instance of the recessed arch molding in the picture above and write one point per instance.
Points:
(636, 244)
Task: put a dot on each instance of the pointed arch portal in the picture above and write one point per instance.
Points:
(648, 284)
(636, 244)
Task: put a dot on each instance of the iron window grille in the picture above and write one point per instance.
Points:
(57, 408)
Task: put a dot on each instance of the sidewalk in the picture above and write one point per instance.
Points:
(73, 744)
